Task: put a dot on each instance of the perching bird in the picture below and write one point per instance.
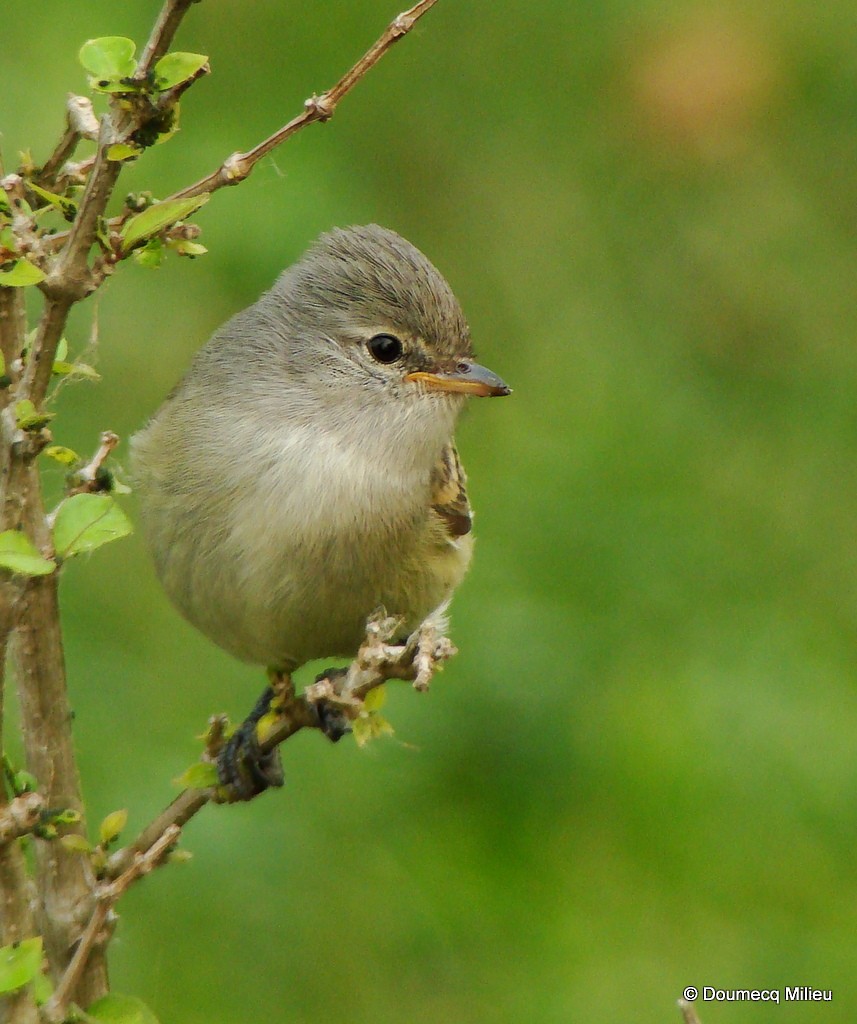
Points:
(304, 472)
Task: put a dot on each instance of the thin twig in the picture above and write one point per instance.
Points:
(107, 897)
(317, 108)
(161, 36)
(688, 1013)
(377, 661)
(81, 123)
(88, 475)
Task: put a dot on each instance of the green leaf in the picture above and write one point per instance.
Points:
(65, 456)
(64, 369)
(75, 843)
(118, 1009)
(23, 782)
(68, 207)
(20, 963)
(375, 698)
(112, 826)
(28, 417)
(108, 57)
(86, 521)
(20, 274)
(185, 248)
(20, 555)
(151, 255)
(158, 217)
(43, 988)
(175, 68)
(202, 775)
(67, 816)
(370, 727)
(120, 152)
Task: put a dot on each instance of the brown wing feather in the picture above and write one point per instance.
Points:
(449, 493)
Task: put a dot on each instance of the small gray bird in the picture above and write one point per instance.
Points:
(304, 471)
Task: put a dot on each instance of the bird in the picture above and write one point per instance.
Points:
(304, 471)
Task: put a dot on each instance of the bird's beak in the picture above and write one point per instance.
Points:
(465, 377)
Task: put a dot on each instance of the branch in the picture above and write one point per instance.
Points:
(377, 661)
(97, 929)
(688, 1013)
(16, 909)
(162, 35)
(81, 123)
(13, 331)
(317, 108)
(88, 476)
(64, 880)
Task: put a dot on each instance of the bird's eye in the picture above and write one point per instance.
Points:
(385, 348)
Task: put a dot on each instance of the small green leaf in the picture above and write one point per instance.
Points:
(112, 826)
(175, 68)
(24, 782)
(86, 521)
(158, 217)
(186, 248)
(120, 152)
(179, 856)
(43, 988)
(151, 255)
(68, 207)
(67, 816)
(20, 963)
(20, 555)
(113, 86)
(202, 775)
(62, 348)
(375, 698)
(20, 274)
(108, 57)
(65, 456)
(75, 843)
(27, 417)
(370, 727)
(117, 1009)
(64, 369)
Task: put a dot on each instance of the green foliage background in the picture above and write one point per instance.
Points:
(640, 773)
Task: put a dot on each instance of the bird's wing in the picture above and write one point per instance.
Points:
(449, 493)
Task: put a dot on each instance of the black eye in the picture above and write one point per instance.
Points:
(385, 348)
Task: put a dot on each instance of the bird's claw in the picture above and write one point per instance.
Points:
(243, 769)
(333, 720)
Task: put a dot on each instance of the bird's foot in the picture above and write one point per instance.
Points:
(243, 769)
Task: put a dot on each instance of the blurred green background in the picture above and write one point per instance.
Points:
(641, 771)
